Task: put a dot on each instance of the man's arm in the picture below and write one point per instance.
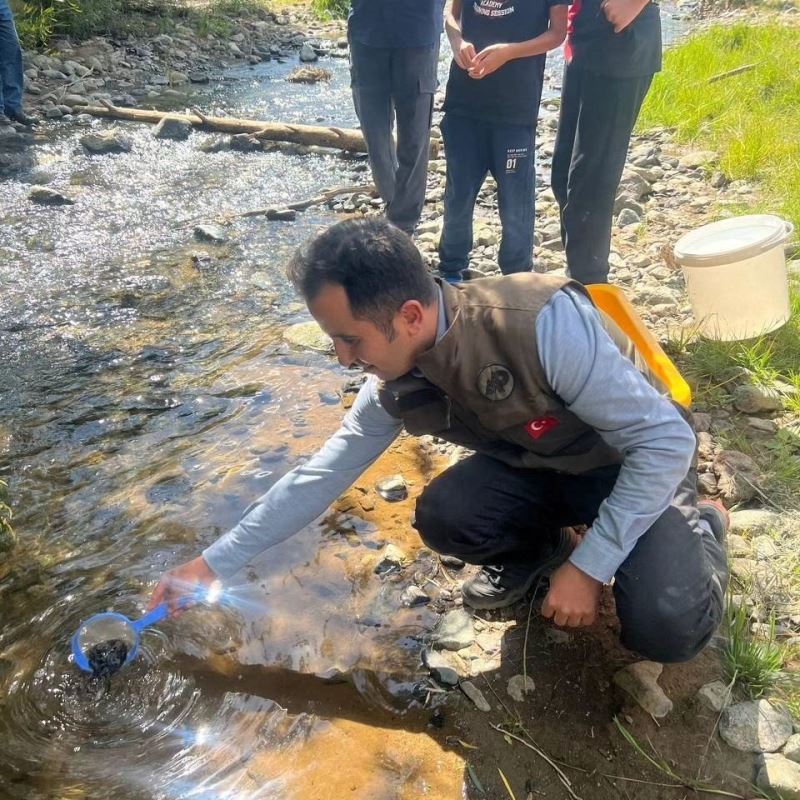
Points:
(463, 51)
(295, 500)
(491, 58)
(621, 13)
(604, 389)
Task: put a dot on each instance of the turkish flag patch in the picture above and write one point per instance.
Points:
(537, 428)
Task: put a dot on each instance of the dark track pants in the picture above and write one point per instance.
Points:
(594, 130)
(669, 591)
(389, 82)
(475, 148)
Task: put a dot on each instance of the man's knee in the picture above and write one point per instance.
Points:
(670, 635)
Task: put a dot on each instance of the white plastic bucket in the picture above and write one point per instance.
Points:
(735, 272)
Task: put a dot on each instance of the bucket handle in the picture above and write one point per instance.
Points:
(789, 226)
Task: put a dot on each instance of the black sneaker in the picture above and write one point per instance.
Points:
(717, 517)
(498, 586)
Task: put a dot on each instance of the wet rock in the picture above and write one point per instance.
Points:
(281, 215)
(780, 777)
(791, 749)
(49, 197)
(440, 668)
(455, 631)
(392, 489)
(53, 113)
(756, 521)
(714, 696)
(214, 144)
(106, 142)
(209, 232)
(737, 476)
(628, 217)
(309, 336)
(392, 557)
(173, 128)
(307, 54)
(74, 100)
(308, 75)
(519, 686)
(414, 596)
(640, 681)
(755, 727)
(176, 77)
(476, 695)
(245, 143)
(752, 399)
(199, 77)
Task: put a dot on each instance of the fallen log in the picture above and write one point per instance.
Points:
(347, 139)
(302, 205)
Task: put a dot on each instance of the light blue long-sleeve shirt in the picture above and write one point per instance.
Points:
(594, 380)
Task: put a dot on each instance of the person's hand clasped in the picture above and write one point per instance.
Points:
(573, 597)
(621, 13)
(464, 54)
(181, 582)
(489, 60)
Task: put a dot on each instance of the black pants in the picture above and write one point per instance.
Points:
(389, 82)
(474, 148)
(594, 130)
(669, 591)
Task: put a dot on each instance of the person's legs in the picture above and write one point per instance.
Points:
(670, 590)
(370, 80)
(565, 137)
(413, 87)
(11, 70)
(607, 109)
(514, 170)
(466, 146)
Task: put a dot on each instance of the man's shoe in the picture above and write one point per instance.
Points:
(453, 278)
(498, 586)
(20, 116)
(717, 517)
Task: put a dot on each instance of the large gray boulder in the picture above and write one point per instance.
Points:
(755, 726)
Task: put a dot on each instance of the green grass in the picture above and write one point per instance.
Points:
(7, 536)
(752, 663)
(327, 9)
(751, 120)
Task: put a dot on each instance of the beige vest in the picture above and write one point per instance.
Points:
(482, 384)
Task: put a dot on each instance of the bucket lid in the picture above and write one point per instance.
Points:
(730, 240)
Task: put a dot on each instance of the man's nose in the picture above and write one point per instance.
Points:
(344, 354)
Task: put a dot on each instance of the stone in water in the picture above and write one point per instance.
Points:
(107, 658)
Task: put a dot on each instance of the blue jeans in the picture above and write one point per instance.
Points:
(10, 62)
(475, 148)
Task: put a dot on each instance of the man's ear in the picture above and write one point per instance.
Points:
(412, 314)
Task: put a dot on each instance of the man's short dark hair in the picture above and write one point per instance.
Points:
(377, 265)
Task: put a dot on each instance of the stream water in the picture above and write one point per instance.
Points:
(146, 398)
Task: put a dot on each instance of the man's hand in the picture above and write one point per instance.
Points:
(464, 54)
(573, 597)
(182, 582)
(490, 59)
(620, 13)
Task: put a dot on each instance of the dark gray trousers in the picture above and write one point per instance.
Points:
(389, 82)
(669, 591)
(597, 116)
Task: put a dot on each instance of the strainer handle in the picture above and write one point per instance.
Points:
(151, 618)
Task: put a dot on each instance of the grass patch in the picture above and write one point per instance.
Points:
(752, 663)
(749, 119)
(331, 9)
(7, 536)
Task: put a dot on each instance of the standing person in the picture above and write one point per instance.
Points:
(394, 49)
(11, 76)
(565, 427)
(613, 50)
(491, 106)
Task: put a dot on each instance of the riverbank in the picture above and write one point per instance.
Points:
(389, 615)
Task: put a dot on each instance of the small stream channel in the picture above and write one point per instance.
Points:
(146, 398)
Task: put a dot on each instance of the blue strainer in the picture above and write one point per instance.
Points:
(109, 626)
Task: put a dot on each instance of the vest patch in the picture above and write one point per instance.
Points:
(495, 382)
(537, 428)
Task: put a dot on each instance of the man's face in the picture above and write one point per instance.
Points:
(360, 343)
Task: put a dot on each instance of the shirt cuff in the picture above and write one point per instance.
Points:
(597, 557)
(223, 557)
